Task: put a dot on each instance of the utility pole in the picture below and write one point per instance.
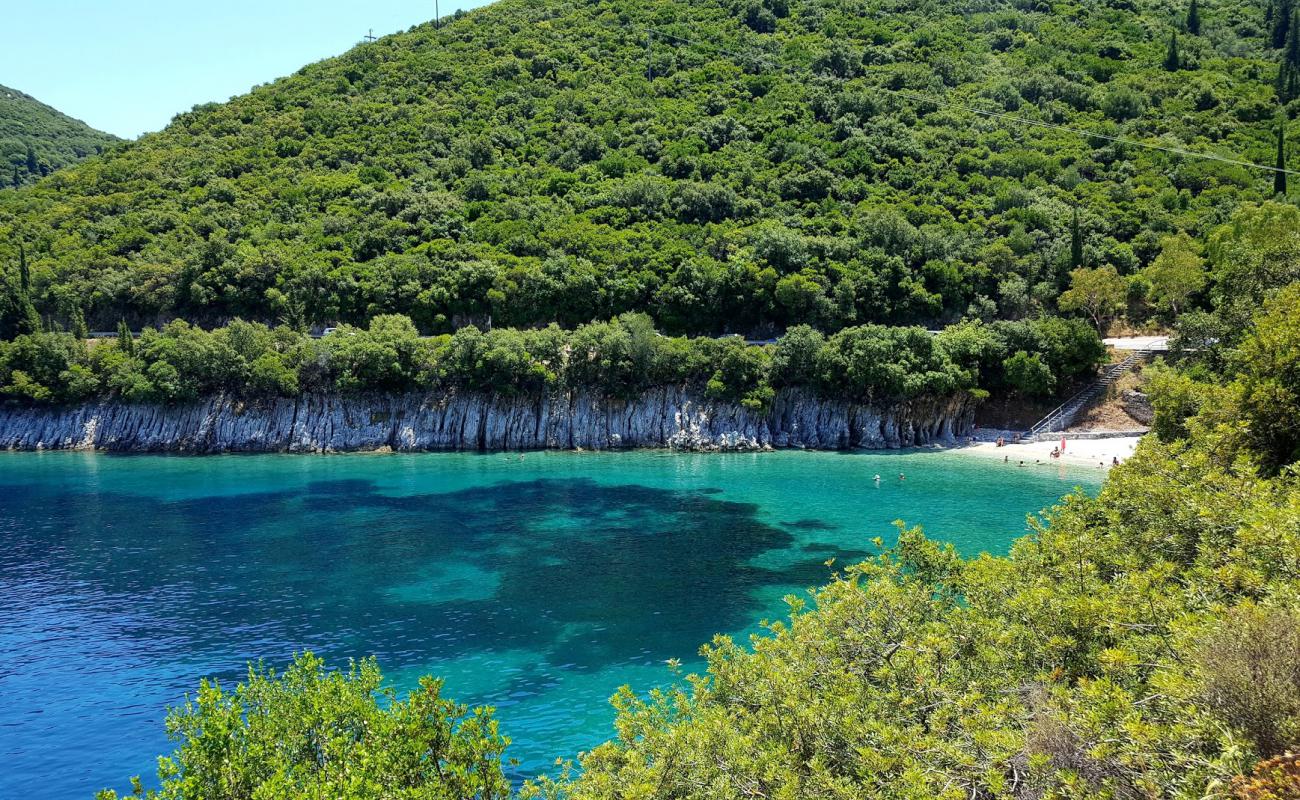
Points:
(370, 35)
(437, 16)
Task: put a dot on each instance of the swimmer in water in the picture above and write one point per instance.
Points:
(877, 479)
(902, 477)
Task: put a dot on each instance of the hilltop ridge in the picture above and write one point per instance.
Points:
(36, 139)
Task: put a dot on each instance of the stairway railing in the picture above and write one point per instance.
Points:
(1060, 417)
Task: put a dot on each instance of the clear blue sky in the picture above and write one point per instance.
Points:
(129, 66)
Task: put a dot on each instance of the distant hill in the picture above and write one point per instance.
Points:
(35, 139)
(775, 161)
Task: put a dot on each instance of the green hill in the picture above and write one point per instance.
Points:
(778, 162)
(35, 139)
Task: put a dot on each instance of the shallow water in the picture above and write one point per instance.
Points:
(536, 583)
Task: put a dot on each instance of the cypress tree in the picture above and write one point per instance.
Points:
(125, 341)
(1279, 177)
(1194, 18)
(33, 166)
(1076, 242)
(79, 328)
(18, 181)
(24, 272)
(1282, 21)
(1288, 71)
(29, 320)
(1292, 53)
(1172, 60)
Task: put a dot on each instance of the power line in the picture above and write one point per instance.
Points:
(1014, 118)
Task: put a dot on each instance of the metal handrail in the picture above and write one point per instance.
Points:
(1115, 370)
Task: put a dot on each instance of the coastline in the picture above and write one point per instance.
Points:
(1096, 453)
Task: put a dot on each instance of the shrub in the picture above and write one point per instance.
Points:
(1276, 778)
(314, 733)
(1249, 665)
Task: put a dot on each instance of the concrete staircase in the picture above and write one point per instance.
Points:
(1065, 414)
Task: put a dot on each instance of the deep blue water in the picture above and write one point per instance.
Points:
(538, 584)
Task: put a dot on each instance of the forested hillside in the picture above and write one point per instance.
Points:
(35, 139)
(758, 164)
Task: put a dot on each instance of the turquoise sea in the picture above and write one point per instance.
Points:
(536, 583)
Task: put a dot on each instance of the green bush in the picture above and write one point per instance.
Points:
(310, 732)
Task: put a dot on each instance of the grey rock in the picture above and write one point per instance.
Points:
(1138, 406)
(673, 417)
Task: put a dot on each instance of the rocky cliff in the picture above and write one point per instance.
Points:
(666, 417)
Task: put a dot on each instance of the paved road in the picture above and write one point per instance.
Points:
(1138, 343)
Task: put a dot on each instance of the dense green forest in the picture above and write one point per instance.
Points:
(619, 358)
(35, 139)
(1141, 644)
(722, 165)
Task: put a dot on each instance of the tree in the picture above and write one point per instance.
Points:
(1100, 293)
(24, 272)
(1076, 241)
(125, 341)
(1270, 383)
(1281, 22)
(1252, 256)
(33, 166)
(1173, 62)
(78, 324)
(1288, 70)
(29, 319)
(1177, 273)
(1028, 375)
(315, 733)
(1292, 51)
(1194, 18)
(794, 360)
(1279, 176)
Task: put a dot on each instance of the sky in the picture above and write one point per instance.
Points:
(129, 66)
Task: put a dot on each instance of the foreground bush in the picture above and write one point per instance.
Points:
(1275, 779)
(310, 733)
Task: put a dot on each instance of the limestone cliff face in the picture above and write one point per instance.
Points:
(665, 417)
